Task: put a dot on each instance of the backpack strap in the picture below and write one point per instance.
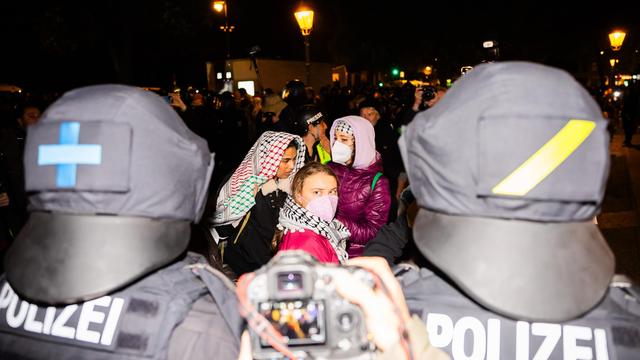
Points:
(375, 180)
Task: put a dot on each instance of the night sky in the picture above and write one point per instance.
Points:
(58, 45)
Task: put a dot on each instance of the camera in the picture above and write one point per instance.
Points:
(428, 93)
(296, 295)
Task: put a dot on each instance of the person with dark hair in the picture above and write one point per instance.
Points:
(310, 124)
(307, 220)
(249, 203)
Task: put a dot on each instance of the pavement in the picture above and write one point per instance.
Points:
(619, 219)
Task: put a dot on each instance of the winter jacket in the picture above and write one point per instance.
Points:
(360, 209)
(249, 247)
(312, 243)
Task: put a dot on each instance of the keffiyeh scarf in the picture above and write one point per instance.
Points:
(343, 126)
(294, 217)
(260, 164)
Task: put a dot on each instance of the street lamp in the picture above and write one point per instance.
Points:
(221, 7)
(304, 17)
(218, 6)
(616, 38)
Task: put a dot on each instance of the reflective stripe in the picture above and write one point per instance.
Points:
(535, 169)
(69, 154)
(324, 155)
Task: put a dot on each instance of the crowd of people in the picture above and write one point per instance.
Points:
(480, 197)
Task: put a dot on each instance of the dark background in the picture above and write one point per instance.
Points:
(60, 45)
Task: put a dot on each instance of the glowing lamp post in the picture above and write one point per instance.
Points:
(304, 16)
(221, 7)
(616, 39)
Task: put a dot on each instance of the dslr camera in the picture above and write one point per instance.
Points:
(296, 295)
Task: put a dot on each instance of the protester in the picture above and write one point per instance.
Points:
(364, 192)
(506, 220)
(249, 203)
(307, 220)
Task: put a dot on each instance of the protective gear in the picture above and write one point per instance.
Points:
(136, 322)
(323, 155)
(103, 164)
(341, 153)
(324, 207)
(602, 333)
(304, 116)
(294, 93)
(508, 218)
(90, 154)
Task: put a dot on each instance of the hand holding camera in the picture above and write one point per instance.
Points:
(299, 308)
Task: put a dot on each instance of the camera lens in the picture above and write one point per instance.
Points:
(289, 281)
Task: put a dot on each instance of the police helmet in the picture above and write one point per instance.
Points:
(506, 210)
(305, 115)
(294, 92)
(117, 179)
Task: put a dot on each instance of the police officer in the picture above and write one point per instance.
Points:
(310, 124)
(295, 95)
(100, 271)
(520, 271)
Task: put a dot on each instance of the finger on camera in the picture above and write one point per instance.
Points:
(356, 291)
(380, 267)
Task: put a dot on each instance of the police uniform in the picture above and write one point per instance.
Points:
(117, 178)
(520, 270)
(465, 330)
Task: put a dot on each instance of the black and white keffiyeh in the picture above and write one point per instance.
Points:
(294, 217)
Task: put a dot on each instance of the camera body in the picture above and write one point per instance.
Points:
(428, 93)
(297, 295)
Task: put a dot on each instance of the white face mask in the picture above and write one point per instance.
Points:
(340, 153)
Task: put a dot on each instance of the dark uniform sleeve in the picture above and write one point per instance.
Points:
(203, 335)
(390, 241)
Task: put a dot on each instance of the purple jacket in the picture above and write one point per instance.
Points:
(361, 210)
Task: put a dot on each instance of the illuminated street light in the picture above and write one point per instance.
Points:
(304, 17)
(221, 7)
(428, 70)
(218, 6)
(613, 62)
(616, 39)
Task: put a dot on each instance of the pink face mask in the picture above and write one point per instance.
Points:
(324, 207)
